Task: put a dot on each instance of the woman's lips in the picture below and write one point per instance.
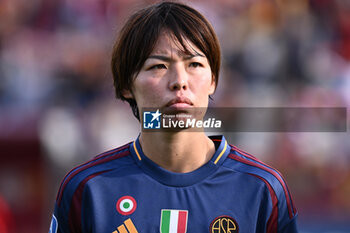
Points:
(179, 102)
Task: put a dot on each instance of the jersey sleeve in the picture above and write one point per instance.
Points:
(69, 206)
(284, 210)
(59, 221)
(70, 215)
(283, 215)
(66, 217)
(287, 219)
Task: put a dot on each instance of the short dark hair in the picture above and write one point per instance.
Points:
(139, 35)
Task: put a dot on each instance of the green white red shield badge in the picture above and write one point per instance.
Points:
(173, 221)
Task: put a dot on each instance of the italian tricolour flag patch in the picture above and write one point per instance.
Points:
(173, 221)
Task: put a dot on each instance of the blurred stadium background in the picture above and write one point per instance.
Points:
(57, 106)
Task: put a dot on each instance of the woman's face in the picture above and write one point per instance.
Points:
(172, 80)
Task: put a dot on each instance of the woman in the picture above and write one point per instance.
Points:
(167, 57)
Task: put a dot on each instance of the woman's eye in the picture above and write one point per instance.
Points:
(195, 64)
(156, 67)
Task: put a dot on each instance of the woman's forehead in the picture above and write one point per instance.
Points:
(167, 43)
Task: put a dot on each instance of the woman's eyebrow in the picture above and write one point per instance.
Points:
(168, 59)
(161, 57)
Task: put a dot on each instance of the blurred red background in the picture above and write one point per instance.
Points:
(57, 106)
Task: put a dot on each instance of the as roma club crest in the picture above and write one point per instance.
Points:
(223, 224)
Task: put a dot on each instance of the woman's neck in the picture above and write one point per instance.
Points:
(180, 152)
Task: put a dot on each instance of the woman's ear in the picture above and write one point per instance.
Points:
(127, 94)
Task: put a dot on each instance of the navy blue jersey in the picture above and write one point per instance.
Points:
(122, 191)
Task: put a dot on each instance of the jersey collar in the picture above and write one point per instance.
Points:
(181, 179)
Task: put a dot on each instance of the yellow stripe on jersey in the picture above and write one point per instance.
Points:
(122, 229)
(222, 152)
(127, 227)
(130, 226)
(137, 153)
